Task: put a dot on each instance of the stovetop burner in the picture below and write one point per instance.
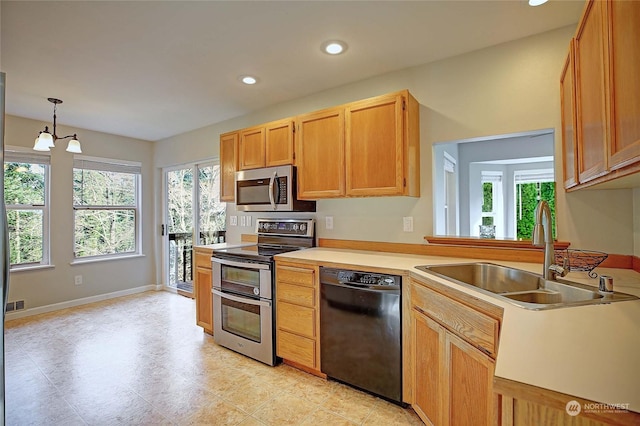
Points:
(275, 236)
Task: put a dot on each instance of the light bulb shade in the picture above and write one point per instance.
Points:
(44, 142)
(74, 146)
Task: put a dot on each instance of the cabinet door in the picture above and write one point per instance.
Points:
(374, 146)
(429, 392)
(204, 312)
(228, 166)
(279, 143)
(568, 108)
(470, 384)
(591, 78)
(624, 60)
(252, 150)
(320, 154)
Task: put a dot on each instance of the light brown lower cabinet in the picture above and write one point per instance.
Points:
(298, 315)
(523, 405)
(453, 380)
(202, 288)
(454, 342)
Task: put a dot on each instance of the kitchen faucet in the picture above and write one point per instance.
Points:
(543, 237)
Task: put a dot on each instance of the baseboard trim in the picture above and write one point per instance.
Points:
(83, 301)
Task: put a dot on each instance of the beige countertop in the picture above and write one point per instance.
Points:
(221, 246)
(587, 351)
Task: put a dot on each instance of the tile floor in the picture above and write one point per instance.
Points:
(142, 360)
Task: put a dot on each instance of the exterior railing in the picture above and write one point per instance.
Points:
(181, 253)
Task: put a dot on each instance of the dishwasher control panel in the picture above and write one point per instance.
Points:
(345, 276)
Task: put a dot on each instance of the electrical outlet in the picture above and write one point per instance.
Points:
(233, 220)
(328, 222)
(78, 280)
(407, 224)
(243, 221)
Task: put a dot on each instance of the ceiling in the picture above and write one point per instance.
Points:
(154, 69)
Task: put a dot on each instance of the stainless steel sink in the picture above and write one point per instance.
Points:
(522, 288)
(488, 276)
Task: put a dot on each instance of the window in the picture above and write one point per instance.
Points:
(106, 204)
(492, 204)
(26, 195)
(532, 186)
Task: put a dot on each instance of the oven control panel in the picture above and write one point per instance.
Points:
(285, 227)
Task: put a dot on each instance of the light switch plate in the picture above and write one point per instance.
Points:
(233, 220)
(243, 221)
(248, 220)
(328, 222)
(407, 224)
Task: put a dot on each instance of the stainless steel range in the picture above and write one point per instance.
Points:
(243, 287)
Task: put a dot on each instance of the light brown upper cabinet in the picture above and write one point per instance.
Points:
(568, 108)
(365, 148)
(380, 146)
(279, 143)
(607, 94)
(252, 149)
(320, 154)
(228, 165)
(624, 67)
(267, 145)
(591, 98)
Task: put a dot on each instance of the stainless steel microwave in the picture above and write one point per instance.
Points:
(270, 189)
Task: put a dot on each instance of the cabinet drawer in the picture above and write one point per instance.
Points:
(296, 348)
(296, 294)
(294, 275)
(477, 328)
(203, 259)
(296, 319)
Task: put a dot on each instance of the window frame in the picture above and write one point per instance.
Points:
(14, 154)
(110, 165)
(495, 178)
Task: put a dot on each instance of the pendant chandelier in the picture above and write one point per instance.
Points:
(45, 140)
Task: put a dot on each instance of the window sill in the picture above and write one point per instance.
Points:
(106, 259)
(30, 268)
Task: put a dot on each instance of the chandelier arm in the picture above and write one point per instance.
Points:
(65, 137)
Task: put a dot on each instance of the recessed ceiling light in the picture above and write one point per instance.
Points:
(537, 2)
(334, 47)
(247, 79)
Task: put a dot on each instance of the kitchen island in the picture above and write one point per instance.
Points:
(588, 352)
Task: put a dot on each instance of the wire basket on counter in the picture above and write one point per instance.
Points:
(581, 260)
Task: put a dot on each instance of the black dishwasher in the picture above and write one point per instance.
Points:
(361, 330)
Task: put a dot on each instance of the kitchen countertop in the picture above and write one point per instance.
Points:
(221, 246)
(586, 351)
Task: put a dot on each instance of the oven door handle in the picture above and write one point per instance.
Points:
(241, 299)
(246, 265)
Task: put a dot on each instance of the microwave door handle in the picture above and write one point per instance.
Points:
(241, 299)
(272, 187)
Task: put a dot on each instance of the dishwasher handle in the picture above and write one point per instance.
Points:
(360, 286)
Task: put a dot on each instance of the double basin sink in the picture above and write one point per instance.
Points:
(522, 288)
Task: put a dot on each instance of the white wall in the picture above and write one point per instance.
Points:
(56, 285)
(438, 184)
(504, 89)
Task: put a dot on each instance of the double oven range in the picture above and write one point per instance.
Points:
(244, 287)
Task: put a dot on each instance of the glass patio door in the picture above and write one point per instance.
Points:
(194, 216)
